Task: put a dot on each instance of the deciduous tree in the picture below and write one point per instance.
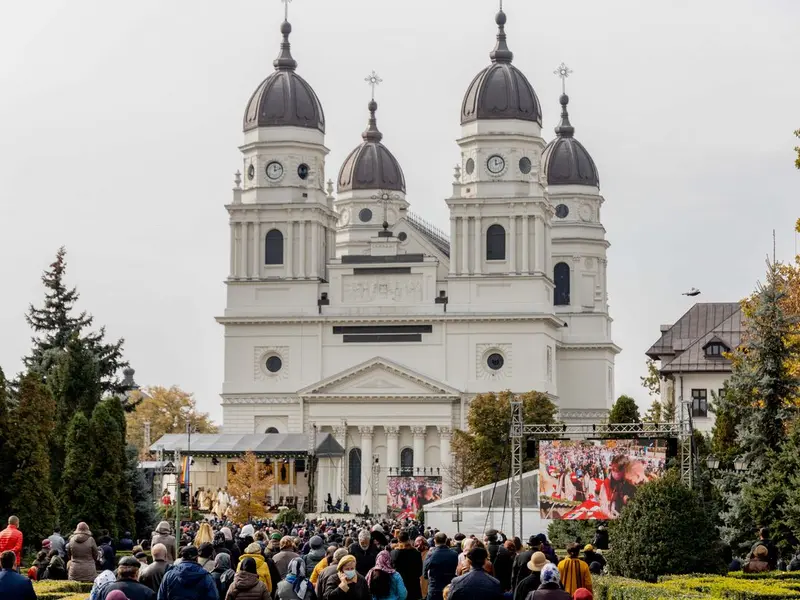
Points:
(484, 449)
(624, 410)
(248, 487)
(168, 410)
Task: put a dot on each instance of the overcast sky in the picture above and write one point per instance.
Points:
(120, 121)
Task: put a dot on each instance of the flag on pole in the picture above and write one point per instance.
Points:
(186, 462)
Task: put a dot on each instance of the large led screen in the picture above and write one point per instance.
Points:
(408, 495)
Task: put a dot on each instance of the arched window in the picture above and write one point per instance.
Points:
(496, 243)
(561, 279)
(272, 430)
(407, 462)
(274, 248)
(354, 474)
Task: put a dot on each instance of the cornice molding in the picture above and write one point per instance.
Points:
(234, 399)
(386, 319)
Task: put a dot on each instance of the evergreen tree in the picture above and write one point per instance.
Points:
(624, 410)
(142, 494)
(6, 458)
(105, 468)
(757, 397)
(653, 414)
(56, 323)
(31, 425)
(125, 509)
(78, 493)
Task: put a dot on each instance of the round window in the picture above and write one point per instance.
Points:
(365, 215)
(302, 171)
(274, 364)
(495, 361)
(402, 236)
(562, 210)
(470, 166)
(251, 172)
(525, 165)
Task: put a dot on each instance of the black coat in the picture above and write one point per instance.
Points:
(503, 564)
(475, 585)
(590, 557)
(439, 569)
(132, 589)
(408, 562)
(519, 570)
(358, 590)
(528, 585)
(365, 559)
(549, 591)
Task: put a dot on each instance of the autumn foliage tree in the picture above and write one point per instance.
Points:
(484, 449)
(249, 483)
(167, 410)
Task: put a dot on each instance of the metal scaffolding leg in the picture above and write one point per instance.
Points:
(517, 428)
(685, 441)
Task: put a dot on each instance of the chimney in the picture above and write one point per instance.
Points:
(665, 328)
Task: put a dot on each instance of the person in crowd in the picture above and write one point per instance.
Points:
(329, 577)
(383, 581)
(204, 535)
(247, 585)
(262, 569)
(55, 570)
(82, 551)
(103, 580)
(772, 550)
(296, 586)
(422, 546)
(58, 543)
(532, 582)
(546, 547)
(476, 584)
(153, 574)
(128, 582)
(503, 564)
(108, 557)
(574, 572)
(163, 535)
(126, 542)
(601, 538)
(408, 562)
(550, 588)
(285, 556)
(519, 569)
(590, 555)
(36, 572)
(11, 539)
(206, 556)
(322, 565)
(141, 556)
(352, 585)
(760, 561)
(223, 574)
(582, 594)
(13, 586)
(439, 567)
(597, 569)
(364, 552)
(315, 554)
(188, 580)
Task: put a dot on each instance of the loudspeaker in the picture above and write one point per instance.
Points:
(531, 448)
(672, 447)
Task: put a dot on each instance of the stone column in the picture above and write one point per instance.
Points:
(446, 457)
(302, 273)
(314, 250)
(419, 448)
(392, 449)
(525, 247)
(478, 242)
(453, 237)
(242, 243)
(538, 248)
(464, 245)
(258, 251)
(288, 258)
(512, 245)
(276, 475)
(291, 478)
(366, 466)
(233, 250)
(339, 491)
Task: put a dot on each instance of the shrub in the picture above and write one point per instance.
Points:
(289, 517)
(664, 530)
(562, 533)
(769, 586)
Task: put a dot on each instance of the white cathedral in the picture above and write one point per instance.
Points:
(348, 315)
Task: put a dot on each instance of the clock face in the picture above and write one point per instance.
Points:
(344, 218)
(274, 170)
(495, 164)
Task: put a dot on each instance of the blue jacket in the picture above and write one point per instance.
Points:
(397, 591)
(439, 569)
(14, 586)
(187, 581)
(475, 585)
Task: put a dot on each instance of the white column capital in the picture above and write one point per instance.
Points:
(366, 431)
(392, 430)
(418, 431)
(445, 431)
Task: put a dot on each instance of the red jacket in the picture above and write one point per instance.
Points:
(11, 539)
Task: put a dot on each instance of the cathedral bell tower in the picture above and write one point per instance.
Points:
(499, 215)
(282, 220)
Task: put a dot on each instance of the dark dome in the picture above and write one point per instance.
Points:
(565, 160)
(284, 98)
(501, 91)
(371, 166)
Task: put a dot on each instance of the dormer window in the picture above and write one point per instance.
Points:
(715, 350)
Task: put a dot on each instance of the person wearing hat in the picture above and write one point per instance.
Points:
(264, 574)
(352, 585)
(476, 584)
(188, 580)
(532, 582)
(550, 588)
(128, 582)
(582, 594)
(329, 576)
(574, 572)
(315, 554)
(760, 561)
(519, 569)
(246, 583)
(590, 555)
(163, 535)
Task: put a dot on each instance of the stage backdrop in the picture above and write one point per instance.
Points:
(408, 495)
(594, 479)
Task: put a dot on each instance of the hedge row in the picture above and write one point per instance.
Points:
(766, 586)
(62, 590)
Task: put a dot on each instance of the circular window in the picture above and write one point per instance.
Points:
(251, 172)
(470, 166)
(274, 364)
(402, 236)
(525, 165)
(365, 215)
(302, 171)
(562, 210)
(495, 361)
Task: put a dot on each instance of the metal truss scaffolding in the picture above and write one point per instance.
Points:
(520, 433)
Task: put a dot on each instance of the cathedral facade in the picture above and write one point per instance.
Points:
(347, 314)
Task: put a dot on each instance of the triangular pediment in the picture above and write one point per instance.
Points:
(379, 377)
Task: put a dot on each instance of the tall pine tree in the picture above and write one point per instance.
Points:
(142, 493)
(78, 494)
(105, 468)
(125, 510)
(56, 323)
(6, 458)
(32, 499)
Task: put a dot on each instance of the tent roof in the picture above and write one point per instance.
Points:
(263, 444)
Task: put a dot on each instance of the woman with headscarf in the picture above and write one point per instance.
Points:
(222, 574)
(550, 589)
(296, 586)
(246, 584)
(384, 582)
(55, 570)
(100, 582)
(253, 551)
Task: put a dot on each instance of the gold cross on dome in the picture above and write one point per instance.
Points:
(373, 79)
(563, 71)
(286, 9)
